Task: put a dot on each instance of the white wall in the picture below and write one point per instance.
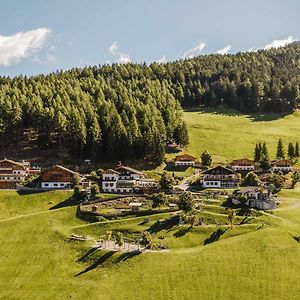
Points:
(55, 185)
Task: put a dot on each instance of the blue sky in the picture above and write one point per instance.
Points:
(39, 36)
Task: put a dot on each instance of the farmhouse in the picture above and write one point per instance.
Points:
(220, 177)
(126, 180)
(184, 160)
(243, 164)
(258, 197)
(57, 177)
(283, 165)
(13, 172)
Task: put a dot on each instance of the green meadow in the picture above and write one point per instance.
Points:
(229, 135)
(259, 259)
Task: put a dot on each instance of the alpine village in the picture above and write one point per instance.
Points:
(162, 180)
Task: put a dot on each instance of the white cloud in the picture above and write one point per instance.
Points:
(279, 43)
(119, 57)
(275, 44)
(224, 51)
(194, 51)
(15, 47)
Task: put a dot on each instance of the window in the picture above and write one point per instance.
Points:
(61, 184)
(55, 184)
(46, 184)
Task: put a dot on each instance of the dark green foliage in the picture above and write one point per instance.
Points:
(186, 202)
(277, 180)
(297, 154)
(280, 150)
(291, 151)
(251, 179)
(119, 112)
(257, 152)
(265, 163)
(295, 178)
(94, 190)
(206, 159)
(159, 200)
(166, 181)
(75, 181)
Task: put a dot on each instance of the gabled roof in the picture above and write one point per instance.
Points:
(65, 169)
(237, 161)
(111, 171)
(219, 168)
(280, 162)
(184, 157)
(20, 164)
(131, 170)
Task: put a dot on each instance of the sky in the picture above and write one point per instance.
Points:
(40, 36)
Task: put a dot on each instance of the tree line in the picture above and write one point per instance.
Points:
(131, 111)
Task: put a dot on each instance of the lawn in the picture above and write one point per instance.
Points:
(247, 262)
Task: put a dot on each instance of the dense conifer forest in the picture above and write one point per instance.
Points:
(131, 111)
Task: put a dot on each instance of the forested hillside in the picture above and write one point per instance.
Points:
(132, 111)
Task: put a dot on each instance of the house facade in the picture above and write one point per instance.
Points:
(126, 180)
(184, 160)
(57, 177)
(256, 197)
(220, 177)
(13, 172)
(283, 165)
(243, 164)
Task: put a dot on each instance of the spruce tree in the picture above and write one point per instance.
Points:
(291, 151)
(297, 149)
(280, 150)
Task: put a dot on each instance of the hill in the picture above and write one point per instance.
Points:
(130, 112)
(252, 261)
(228, 134)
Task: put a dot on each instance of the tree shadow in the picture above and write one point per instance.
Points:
(182, 231)
(215, 236)
(71, 201)
(267, 117)
(30, 192)
(167, 224)
(127, 255)
(97, 263)
(87, 254)
(170, 167)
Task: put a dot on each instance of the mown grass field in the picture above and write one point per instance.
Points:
(247, 262)
(228, 135)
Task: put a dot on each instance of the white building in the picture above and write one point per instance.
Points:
(126, 180)
(256, 197)
(184, 160)
(282, 165)
(243, 164)
(220, 177)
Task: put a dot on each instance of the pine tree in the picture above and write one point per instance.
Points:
(280, 150)
(291, 151)
(206, 159)
(297, 149)
(257, 152)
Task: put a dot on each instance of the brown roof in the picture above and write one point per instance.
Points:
(219, 169)
(111, 171)
(241, 161)
(131, 170)
(184, 157)
(282, 162)
(20, 164)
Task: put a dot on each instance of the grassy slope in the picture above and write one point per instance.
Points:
(229, 136)
(36, 261)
